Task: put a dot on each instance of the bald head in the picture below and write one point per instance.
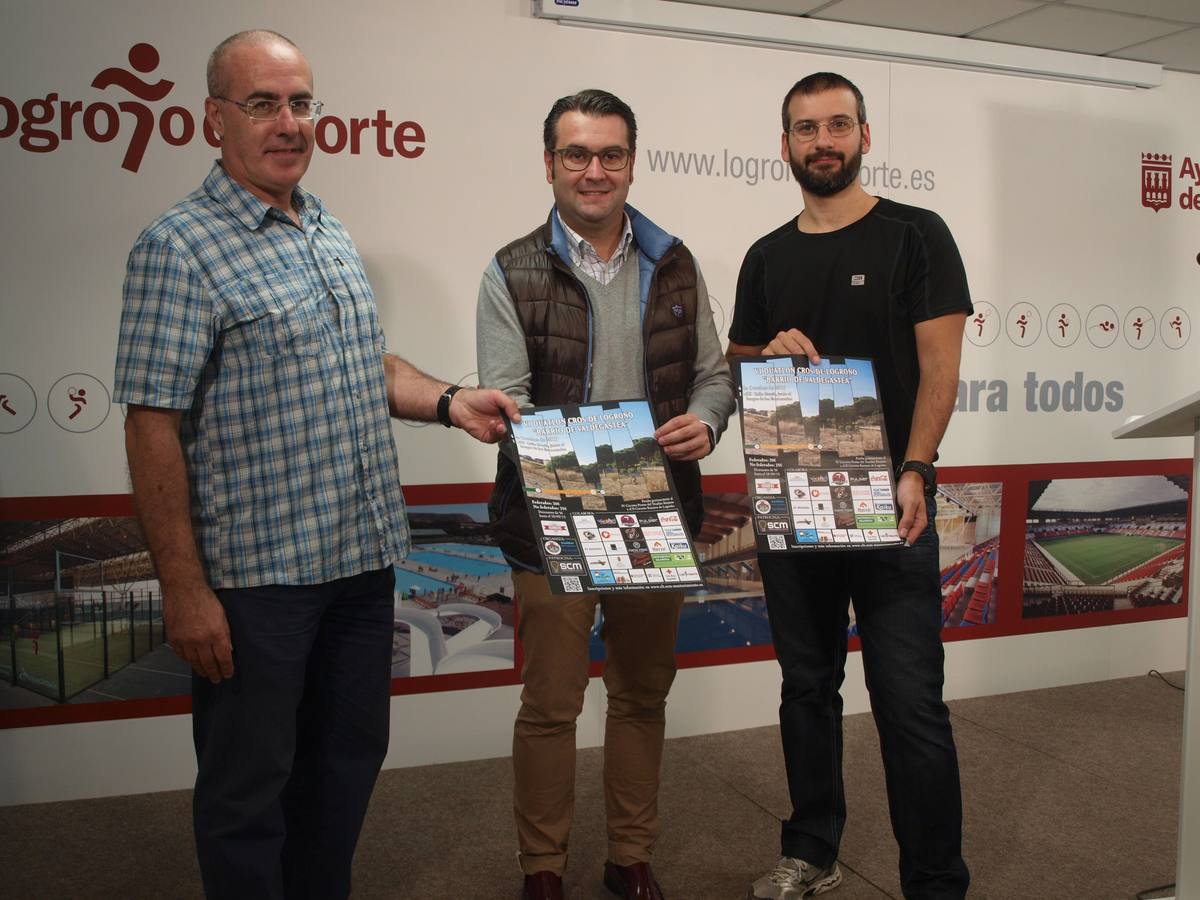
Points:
(218, 69)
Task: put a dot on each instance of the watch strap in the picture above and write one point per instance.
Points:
(443, 404)
(926, 470)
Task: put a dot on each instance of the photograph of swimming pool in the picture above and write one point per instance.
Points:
(454, 610)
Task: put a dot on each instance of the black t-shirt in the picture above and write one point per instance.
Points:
(857, 291)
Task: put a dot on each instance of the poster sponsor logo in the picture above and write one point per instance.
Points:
(44, 124)
(765, 526)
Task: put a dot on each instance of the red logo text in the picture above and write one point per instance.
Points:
(44, 123)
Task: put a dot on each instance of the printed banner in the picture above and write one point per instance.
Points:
(601, 498)
(816, 453)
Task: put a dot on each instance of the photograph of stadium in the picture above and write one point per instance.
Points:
(732, 613)
(968, 527)
(1096, 545)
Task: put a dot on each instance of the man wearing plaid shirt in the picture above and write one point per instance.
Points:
(266, 481)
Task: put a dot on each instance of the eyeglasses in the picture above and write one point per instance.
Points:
(807, 130)
(576, 159)
(263, 110)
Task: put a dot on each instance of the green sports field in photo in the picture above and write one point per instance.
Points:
(83, 655)
(1095, 558)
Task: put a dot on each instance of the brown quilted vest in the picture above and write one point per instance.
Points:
(552, 306)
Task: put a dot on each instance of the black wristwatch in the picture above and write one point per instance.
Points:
(924, 469)
(443, 407)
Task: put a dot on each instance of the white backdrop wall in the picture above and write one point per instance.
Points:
(1039, 181)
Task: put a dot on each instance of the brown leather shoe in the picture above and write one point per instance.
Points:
(634, 882)
(543, 886)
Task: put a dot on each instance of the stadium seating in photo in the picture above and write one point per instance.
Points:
(1102, 567)
(969, 587)
(1039, 569)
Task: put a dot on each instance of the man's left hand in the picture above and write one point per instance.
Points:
(910, 495)
(480, 413)
(684, 438)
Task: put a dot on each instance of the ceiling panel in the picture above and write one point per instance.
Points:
(1177, 51)
(955, 17)
(1176, 10)
(1147, 30)
(1079, 30)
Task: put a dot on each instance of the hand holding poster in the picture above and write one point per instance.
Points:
(604, 508)
(817, 461)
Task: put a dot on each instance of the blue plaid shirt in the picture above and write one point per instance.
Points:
(266, 336)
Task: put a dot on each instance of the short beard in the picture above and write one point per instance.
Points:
(821, 184)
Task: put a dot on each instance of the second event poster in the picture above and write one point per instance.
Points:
(817, 463)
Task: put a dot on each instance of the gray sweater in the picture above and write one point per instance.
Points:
(617, 351)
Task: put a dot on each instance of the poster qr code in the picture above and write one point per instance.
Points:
(776, 542)
(572, 585)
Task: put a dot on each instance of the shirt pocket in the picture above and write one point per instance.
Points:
(275, 313)
(360, 317)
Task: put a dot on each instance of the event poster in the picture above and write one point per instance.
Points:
(817, 462)
(600, 495)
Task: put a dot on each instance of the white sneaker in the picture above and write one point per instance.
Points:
(794, 879)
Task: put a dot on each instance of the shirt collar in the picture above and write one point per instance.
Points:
(581, 247)
(250, 210)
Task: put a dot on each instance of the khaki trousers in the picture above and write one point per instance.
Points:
(639, 637)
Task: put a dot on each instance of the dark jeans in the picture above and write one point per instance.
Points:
(289, 748)
(897, 607)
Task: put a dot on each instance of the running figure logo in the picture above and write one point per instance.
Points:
(144, 58)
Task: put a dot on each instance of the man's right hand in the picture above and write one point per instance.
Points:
(792, 342)
(198, 631)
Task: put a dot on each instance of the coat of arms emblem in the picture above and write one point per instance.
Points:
(1156, 180)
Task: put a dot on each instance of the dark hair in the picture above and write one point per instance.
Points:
(218, 85)
(818, 83)
(591, 102)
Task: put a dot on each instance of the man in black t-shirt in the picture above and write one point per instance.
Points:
(857, 275)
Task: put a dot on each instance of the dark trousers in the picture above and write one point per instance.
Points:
(289, 748)
(897, 606)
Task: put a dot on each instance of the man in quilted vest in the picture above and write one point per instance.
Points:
(598, 303)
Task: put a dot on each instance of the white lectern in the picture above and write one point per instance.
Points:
(1181, 419)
